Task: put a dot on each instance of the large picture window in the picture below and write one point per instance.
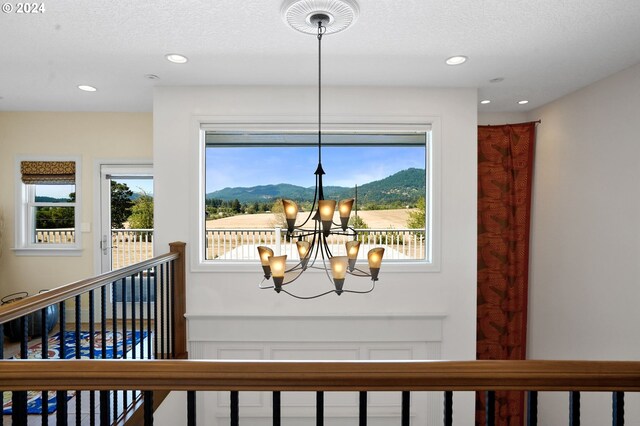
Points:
(48, 211)
(247, 174)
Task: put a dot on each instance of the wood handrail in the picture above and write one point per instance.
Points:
(317, 375)
(17, 309)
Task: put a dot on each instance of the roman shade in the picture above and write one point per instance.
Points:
(48, 172)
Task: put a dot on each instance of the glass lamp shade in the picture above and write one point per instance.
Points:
(375, 257)
(352, 249)
(278, 265)
(290, 209)
(344, 207)
(265, 253)
(339, 271)
(326, 208)
(303, 248)
(375, 260)
(339, 267)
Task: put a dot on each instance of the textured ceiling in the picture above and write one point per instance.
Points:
(543, 49)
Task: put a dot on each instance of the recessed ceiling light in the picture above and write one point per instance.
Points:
(523, 102)
(456, 60)
(151, 77)
(87, 88)
(176, 59)
(485, 101)
(497, 80)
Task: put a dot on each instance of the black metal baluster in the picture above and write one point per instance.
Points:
(155, 312)
(78, 320)
(276, 408)
(114, 319)
(574, 408)
(125, 395)
(532, 408)
(133, 316)
(148, 408)
(92, 354)
(235, 409)
(148, 339)
(448, 408)
(191, 408)
(162, 319)
(490, 408)
(170, 313)
(19, 398)
(139, 340)
(406, 408)
(61, 396)
(618, 409)
(105, 410)
(363, 409)
(44, 342)
(319, 408)
(133, 328)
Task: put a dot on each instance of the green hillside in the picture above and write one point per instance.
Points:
(403, 187)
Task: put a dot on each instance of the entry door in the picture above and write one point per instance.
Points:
(120, 243)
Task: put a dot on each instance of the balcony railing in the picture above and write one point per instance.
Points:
(129, 246)
(241, 244)
(404, 377)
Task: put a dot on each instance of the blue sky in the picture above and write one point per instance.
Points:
(344, 166)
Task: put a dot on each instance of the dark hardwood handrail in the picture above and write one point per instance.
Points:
(19, 308)
(318, 375)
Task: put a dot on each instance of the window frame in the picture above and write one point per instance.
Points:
(25, 220)
(429, 125)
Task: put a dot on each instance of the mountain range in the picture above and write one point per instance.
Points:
(405, 186)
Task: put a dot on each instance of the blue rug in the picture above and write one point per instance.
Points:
(34, 398)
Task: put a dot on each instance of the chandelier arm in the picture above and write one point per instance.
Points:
(362, 273)
(313, 205)
(373, 286)
(307, 297)
(264, 287)
(323, 244)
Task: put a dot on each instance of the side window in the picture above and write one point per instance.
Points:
(48, 212)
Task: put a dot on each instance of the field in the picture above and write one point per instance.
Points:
(395, 219)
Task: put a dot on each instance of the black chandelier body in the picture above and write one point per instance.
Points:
(312, 243)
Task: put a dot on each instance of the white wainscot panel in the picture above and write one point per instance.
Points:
(366, 337)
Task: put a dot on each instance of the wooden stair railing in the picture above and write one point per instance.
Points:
(145, 301)
(573, 377)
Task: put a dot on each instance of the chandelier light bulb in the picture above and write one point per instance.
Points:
(375, 260)
(339, 271)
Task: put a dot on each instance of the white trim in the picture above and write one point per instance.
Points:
(429, 124)
(22, 245)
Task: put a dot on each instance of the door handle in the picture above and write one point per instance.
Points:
(104, 245)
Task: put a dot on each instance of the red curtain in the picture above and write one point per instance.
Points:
(505, 165)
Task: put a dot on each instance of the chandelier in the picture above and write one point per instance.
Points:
(314, 234)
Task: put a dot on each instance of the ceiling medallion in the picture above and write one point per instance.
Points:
(340, 14)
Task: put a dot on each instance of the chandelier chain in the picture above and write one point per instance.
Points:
(321, 30)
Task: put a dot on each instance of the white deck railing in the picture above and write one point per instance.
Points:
(55, 236)
(129, 246)
(241, 244)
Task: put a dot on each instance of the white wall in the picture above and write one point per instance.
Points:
(451, 291)
(90, 136)
(585, 235)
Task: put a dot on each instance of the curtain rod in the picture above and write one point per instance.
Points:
(511, 124)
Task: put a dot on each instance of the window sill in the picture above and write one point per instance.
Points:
(50, 251)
